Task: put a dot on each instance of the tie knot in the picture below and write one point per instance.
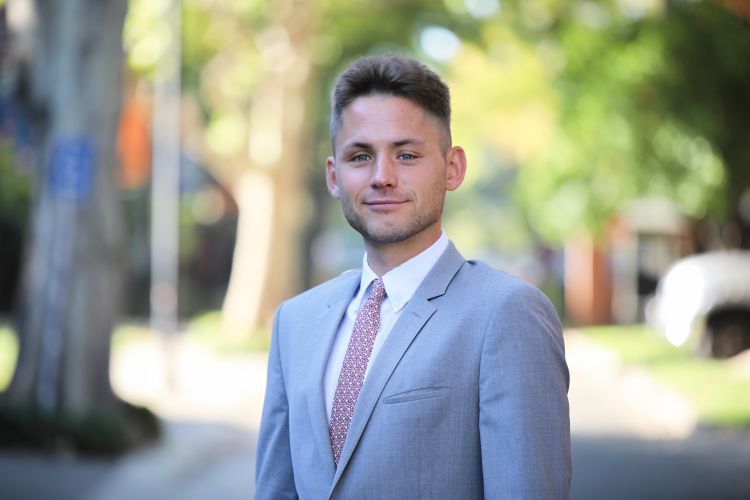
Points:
(378, 290)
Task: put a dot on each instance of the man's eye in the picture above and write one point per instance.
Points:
(360, 157)
(406, 156)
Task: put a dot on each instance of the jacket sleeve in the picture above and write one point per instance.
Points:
(274, 477)
(523, 403)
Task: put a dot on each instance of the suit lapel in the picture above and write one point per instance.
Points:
(326, 326)
(410, 323)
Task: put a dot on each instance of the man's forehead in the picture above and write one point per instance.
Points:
(386, 117)
(373, 104)
(383, 113)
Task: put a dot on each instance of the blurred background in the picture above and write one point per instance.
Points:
(162, 190)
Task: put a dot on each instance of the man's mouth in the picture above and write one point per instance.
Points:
(384, 203)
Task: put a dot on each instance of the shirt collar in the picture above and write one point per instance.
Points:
(401, 282)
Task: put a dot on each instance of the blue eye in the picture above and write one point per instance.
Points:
(407, 156)
(360, 157)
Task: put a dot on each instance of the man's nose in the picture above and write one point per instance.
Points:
(384, 173)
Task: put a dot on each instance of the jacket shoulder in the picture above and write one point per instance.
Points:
(325, 292)
(488, 277)
(479, 279)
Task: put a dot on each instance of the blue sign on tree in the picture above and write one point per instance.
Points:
(71, 173)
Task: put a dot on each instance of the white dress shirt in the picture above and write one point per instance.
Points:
(400, 284)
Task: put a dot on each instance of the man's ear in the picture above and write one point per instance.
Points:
(456, 160)
(331, 183)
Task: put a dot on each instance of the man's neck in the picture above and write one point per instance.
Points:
(383, 258)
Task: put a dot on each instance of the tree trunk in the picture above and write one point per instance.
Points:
(72, 276)
(271, 192)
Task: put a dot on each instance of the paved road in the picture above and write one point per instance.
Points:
(705, 466)
(631, 439)
(635, 440)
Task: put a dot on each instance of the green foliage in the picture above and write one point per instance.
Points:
(15, 187)
(717, 388)
(650, 105)
(594, 103)
(705, 81)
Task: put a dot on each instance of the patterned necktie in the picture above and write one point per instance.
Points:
(352, 374)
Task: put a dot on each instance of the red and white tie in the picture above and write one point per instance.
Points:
(366, 326)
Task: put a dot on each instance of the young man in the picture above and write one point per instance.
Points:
(424, 375)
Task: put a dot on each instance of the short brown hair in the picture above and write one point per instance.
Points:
(392, 75)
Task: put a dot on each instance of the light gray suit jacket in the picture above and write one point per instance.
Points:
(467, 398)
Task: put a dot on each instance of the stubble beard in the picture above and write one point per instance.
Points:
(389, 234)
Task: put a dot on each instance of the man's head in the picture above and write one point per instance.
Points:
(393, 161)
(397, 76)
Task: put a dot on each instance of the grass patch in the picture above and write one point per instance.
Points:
(209, 330)
(717, 388)
(206, 329)
(8, 355)
(127, 333)
(9, 347)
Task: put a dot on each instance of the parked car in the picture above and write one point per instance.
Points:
(703, 302)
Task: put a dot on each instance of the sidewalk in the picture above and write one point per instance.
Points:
(210, 408)
(608, 399)
(631, 438)
(194, 461)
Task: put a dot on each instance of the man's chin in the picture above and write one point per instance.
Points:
(389, 236)
(383, 235)
(387, 233)
(386, 239)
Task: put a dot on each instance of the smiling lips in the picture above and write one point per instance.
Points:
(384, 204)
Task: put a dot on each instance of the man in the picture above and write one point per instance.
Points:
(424, 376)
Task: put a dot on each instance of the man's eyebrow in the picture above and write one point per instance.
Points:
(404, 142)
(395, 144)
(357, 145)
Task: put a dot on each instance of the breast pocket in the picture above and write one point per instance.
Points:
(416, 395)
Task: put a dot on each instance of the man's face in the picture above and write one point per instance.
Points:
(390, 172)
